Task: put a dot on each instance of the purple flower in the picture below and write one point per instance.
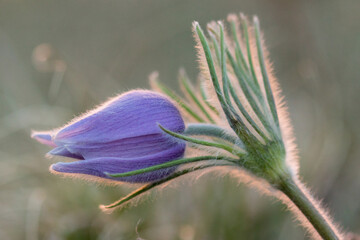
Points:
(119, 136)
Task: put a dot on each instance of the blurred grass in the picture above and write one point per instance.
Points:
(107, 47)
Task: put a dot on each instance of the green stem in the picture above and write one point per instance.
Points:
(299, 198)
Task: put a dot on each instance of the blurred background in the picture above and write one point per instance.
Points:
(60, 58)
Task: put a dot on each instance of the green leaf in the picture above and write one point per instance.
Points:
(269, 94)
(150, 186)
(233, 120)
(246, 114)
(247, 41)
(205, 98)
(238, 51)
(209, 59)
(225, 147)
(212, 130)
(210, 62)
(254, 105)
(225, 78)
(178, 99)
(184, 81)
(171, 164)
(215, 44)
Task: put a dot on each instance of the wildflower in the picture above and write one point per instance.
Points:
(241, 96)
(236, 119)
(121, 135)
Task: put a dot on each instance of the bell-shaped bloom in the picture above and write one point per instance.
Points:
(119, 136)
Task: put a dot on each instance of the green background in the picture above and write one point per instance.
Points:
(111, 46)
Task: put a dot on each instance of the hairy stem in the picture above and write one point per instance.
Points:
(307, 207)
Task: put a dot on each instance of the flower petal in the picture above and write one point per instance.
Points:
(126, 148)
(44, 138)
(96, 167)
(135, 113)
(62, 151)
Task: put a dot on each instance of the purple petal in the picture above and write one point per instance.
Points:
(97, 167)
(126, 148)
(133, 114)
(44, 138)
(62, 151)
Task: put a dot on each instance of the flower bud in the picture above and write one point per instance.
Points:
(119, 136)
